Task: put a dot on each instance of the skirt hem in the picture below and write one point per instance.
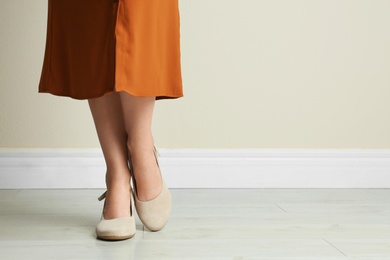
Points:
(158, 97)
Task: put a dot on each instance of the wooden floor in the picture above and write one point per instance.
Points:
(205, 224)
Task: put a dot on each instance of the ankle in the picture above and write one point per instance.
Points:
(117, 179)
(140, 144)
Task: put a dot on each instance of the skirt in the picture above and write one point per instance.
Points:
(94, 47)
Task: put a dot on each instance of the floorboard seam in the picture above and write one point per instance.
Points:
(280, 208)
(335, 247)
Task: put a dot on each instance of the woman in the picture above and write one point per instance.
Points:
(120, 55)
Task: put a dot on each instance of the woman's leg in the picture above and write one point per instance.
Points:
(108, 118)
(138, 113)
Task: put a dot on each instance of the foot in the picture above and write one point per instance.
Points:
(117, 202)
(146, 173)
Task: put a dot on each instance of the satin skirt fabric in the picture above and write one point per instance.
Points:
(94, 47)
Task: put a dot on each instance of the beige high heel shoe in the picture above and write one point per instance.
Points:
(118, 228)
(153, 213)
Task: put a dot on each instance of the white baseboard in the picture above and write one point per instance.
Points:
(204, 168)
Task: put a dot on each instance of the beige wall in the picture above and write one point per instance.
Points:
(257, 74)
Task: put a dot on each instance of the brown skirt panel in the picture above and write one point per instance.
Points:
(94, 47)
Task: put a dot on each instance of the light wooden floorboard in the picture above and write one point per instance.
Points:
(315, 224)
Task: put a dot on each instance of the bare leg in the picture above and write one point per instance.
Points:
(138, 113)
(108, 118)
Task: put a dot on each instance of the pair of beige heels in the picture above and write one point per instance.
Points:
(153, 214)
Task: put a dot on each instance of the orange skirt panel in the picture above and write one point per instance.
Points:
(94, 47)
